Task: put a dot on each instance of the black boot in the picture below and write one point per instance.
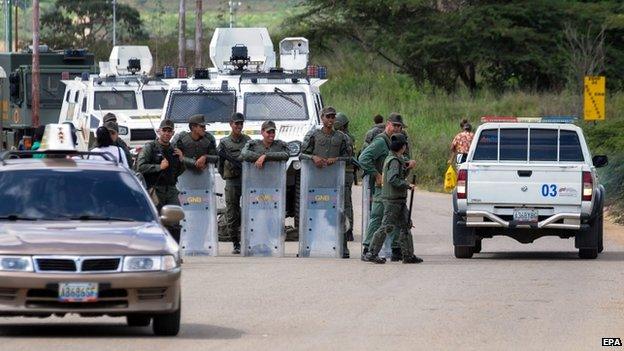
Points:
(412, 259)
(345, 252)
(371, 257)
(396, 255)
(349, 235)
(236, 250)
(364, 252)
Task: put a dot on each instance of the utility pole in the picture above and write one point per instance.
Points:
(16, 23)
(199, 34)
(181, 39)
(35, 65)
(114, 22)
(233, 6)
(7, 25)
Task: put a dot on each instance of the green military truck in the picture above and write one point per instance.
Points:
(16, 105)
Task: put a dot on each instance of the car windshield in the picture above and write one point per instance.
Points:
(115, 100)
(61, 194)
(154, 99)
(216, 106)
(277, 106)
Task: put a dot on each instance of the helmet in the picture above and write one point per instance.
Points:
(341, 120)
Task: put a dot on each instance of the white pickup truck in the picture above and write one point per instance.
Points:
(525, 181)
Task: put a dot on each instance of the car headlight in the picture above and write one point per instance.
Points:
(149, 263)
(16, 263)
(294, 148)
(123, 130)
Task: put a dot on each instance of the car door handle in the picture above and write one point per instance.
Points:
(525, 173)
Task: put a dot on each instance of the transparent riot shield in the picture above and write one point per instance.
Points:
(199, 226)
(367, 194)
(321, 215)
(263, 209)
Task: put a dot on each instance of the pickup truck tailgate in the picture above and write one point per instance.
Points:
(521, 184)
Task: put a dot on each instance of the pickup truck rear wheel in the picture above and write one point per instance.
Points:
(600, 229)
(464, 251)
(477, 247)
(588, 253)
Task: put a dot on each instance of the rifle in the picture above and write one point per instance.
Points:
(236, 164)
(412, 197)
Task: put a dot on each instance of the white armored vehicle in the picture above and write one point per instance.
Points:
(124, 88)
(246, 79)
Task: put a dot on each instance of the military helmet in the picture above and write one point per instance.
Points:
(341, 120)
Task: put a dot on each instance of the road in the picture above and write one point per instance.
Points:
(512, 296)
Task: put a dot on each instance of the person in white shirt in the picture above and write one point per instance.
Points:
(106, 144)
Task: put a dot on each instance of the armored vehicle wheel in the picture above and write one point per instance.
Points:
(138, 320)
(464, 251)
(588, 253)
(167, 324)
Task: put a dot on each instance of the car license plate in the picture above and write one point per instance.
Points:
(525, 215)
(78, 292)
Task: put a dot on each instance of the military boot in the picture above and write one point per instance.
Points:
(371, 257)
(237, 248)
(345, 253)
(364, 252)
(412, 259)
(396, 254)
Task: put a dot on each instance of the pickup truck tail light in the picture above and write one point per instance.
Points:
(462, 184)
(588, 186)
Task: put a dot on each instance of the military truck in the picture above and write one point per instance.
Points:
(245, 78)
(16, 106)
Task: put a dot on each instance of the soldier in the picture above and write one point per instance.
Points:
(342, 124)
(198, 147)
(267, 149)
(324, 146)
(231, 171)
(109, 117)
(395, 214)
(371, 160)
(377, 129)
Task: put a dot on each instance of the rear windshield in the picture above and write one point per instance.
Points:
(70, 194)
(520, 144)
(215, 106)
(115, 100)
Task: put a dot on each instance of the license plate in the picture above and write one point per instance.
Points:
(78, 292)
(525, 215)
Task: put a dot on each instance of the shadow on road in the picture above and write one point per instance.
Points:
(547, 255)
(67, 330)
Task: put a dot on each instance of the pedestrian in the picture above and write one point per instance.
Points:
(342, 124)
(377, 129)
(198, 147)
(324, 146)
(462, 140)
(105, 144)
(267, 149)
(231, 170)
(37, 137)
(110, 117)
(395, 214)
(371, 160)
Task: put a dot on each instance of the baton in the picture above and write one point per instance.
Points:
(412, 197)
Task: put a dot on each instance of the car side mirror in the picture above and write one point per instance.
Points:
(461, 158)
(600, 161)
(171, 215)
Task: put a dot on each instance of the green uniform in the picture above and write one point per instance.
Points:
(194, 149)
(396, 214)
(163, 181)
(277, 151)
(372, 133)
(371, 160)
(126, 150)
(230, 148)
(349, 180)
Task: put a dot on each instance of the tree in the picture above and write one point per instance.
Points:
(89, 24)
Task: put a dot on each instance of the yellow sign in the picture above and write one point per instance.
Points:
(594, 101)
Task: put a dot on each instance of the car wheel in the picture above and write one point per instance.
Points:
(464, 251)
(167, 324)
(600, 230)
(588, 253)
(138, 320)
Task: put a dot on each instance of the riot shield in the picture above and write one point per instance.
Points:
(199, 226)
(263, 209)
(367, 194)
(321, 215)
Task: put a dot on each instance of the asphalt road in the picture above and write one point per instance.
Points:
(512, 296)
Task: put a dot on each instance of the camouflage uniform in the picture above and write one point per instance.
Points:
(126, 150)
(232, 174)
(194, 149)
(277, 151)
(163, 181)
